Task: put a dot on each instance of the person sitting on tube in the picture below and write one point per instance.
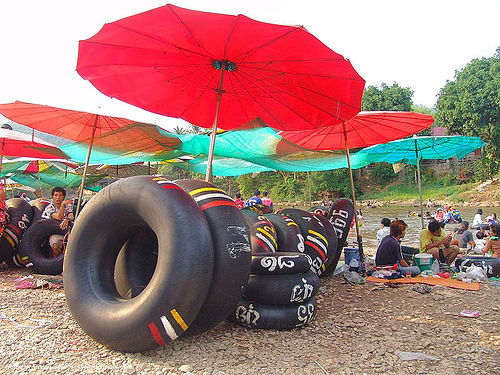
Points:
(61, 210)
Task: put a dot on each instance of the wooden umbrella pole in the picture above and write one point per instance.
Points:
(356, 223)
(80, 192)
(1, 154)
(209, 174)
(419, 179)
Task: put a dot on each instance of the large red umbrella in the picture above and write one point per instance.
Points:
(363, 130)
(216, 70)
(13, 143)
(65, 123)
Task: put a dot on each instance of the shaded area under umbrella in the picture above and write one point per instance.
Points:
(221, 71)
(365, 129)
(412, 150)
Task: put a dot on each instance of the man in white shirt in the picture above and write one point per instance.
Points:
(385, 230)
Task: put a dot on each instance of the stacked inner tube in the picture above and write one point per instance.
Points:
(197, 252)
(279, 294)
(316, 241)
(20, 216)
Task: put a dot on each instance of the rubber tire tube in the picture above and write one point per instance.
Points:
(492, 264)
(262, 233)
(136, 262)
(20, 216)
(288, 234)
(322, 210)
(331, 236)
(182, 277)
(279, 317)
(232, 251)
(34, 247)
(340, 215)
(38, 206)
(316, 244)
(279, 263)
(281, 289)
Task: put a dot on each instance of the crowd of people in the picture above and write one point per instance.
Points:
(254, 200)
(434, 240)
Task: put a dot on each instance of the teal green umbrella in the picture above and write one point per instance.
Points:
(412, 150)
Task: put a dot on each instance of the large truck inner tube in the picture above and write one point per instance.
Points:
(281, 289)
(20, 216)
(322, 210)
(288, 234)
(279, 263)
(38, 206)
(491, 264)
(315, 241)
(34, 248)
(136, 262)
(340, 215)
(331, 236)
(232, 253)
(168, 305)
(262, 233)
(279, 317)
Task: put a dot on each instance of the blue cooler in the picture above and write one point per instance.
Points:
(351, 253)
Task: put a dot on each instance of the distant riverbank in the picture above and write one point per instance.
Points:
(466, 195)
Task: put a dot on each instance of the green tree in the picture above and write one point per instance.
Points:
(387, 98)
(470, 105)
(425, 111)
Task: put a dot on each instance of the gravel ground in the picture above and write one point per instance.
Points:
(357, 331)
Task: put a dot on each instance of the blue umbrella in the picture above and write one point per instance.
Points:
(412, 150)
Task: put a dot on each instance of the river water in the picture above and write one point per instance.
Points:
(372, 217)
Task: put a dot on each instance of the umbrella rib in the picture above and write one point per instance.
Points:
(188, 30)
(245, 54)
(256, 101)
(284, 92)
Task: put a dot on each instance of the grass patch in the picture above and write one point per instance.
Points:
(405, 191)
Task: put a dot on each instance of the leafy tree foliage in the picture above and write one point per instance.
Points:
(387, 98)
(470, 105)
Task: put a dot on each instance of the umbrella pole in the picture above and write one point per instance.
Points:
(419, 179)
(309, 188)
(209, 174)
(80, 192)
(356, 224)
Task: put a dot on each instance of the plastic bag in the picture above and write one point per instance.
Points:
(435, 267)
(353, 277)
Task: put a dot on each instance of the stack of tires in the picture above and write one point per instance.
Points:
(151, 260)
(20, 216)
(279, 294)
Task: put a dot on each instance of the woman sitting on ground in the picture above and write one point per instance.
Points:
(493, 244)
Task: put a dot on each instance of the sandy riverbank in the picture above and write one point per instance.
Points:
(357, 331)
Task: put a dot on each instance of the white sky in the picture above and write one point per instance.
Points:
(418, 44)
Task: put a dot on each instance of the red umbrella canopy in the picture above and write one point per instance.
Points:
(170, 60)
(14, 143)
(65, 123)
(365, 129)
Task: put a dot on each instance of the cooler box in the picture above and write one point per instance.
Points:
(423, 261)
(351, 253)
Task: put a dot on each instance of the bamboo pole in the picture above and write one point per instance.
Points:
(356, 223)
(209, 174)
(419, 179)
(80, 193)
